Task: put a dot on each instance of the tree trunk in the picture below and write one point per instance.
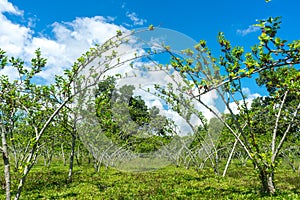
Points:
(63, 154)
(6, 165)
(267, 180)
(96, 165)
(29, 164)
(50, 154)
(45, 158)
(72, 157)
(230, 157)
(78, 158)
(15, 153)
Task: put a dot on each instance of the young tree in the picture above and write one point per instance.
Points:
(274, 60)
(17, 97)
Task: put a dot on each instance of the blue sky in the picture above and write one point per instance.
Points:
(27, 25)
(196, 18)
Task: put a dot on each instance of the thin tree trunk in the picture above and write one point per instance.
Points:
(216, 168)
(96, 165)
(63, 154)
(72, 157)
(230, 157)
(16, 162)
(232, 152)
(78, 158)
(50, 154)
(6, 164)
(16, 157)
(30, 162)
(45, 158)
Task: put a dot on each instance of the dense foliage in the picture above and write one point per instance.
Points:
(127, 120)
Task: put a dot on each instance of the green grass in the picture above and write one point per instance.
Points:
(167, 183)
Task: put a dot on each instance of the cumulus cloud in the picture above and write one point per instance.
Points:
(250, 29)
(13, 37)
(6, 6)
(70, 39)
(135, 19)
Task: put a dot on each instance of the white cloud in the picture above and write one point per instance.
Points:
(70, 40)
(250, 29)
(249, 98)
(6, 6)
(74, 38)
(248, 94)
(13, 37)
(134, 18)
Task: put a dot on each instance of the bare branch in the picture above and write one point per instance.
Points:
(277, 122)
(231, 153)
(285, 134)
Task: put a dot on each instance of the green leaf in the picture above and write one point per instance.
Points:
(151, 27)
(277, 41)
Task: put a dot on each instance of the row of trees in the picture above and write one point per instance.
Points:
(34, 116)
(41, 120)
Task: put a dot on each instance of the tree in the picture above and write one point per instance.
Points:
(127, 120)
(274, 60)
(18, 97)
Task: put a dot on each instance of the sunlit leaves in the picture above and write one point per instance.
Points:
(274, 60)
(119, 33)
(151, 27)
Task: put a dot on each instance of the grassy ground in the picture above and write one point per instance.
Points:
(167, 183)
